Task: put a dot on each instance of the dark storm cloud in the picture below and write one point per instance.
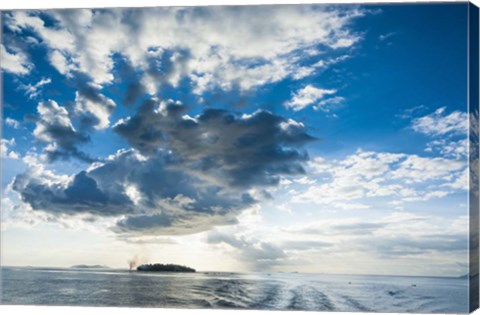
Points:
(251, 150)
(169, 201)
(81, 195)
(184, 175)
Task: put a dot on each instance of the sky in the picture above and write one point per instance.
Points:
(309, 138)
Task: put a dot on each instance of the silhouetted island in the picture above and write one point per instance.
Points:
(164, 268)
(89, 267)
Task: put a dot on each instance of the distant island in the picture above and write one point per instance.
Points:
(89, 267)
(164, 268)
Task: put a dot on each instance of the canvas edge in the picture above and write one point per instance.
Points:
(473, 107)
(1, 163)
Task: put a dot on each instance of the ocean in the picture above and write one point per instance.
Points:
(273, 291)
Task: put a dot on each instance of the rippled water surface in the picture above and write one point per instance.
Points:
(280, 291)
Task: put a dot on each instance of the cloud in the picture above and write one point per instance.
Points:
(386, 36)
(184, 174)
(32, 91)
(15, 124)
(405, 246)
(58, 40)
(219, 146)
(168, 201)
(92, 107)
(307, 96)
(396, 235)
(439, 123)
(416, 169)
(213, 47)
(15, 62)
(407, 177)
(457, 149)
(60, 62)
(449, 132)
(134, 91)
(5, 151)
(54, 126)
(258, 255)
(304, 245)
(325, 105)
(410, 113)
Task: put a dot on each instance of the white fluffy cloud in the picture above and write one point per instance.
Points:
(97, 109)
(55, 127)
(15, 62)
(51, 114)
(439, 123)
(5, 151)
(307, 96)
(216, 47)
(416, 169)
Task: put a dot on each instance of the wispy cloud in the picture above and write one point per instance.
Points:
(307, 96)
(33, 91)
(439, 123)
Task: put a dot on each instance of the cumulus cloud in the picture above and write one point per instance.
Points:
(213, 47)
(169, 200)
(307, 96)
(15, 62)
(185, 175)
(64, 128)
(54, 127)
(219, 146)
(92, 107)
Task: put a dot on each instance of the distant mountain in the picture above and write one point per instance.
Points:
(165, 268)
(89, 267)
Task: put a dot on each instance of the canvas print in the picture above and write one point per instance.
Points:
(319, 157)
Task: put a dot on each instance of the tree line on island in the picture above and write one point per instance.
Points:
(165, 268)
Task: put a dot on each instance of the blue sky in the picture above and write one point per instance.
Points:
(321, 131)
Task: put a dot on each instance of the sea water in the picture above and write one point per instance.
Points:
(273, 291)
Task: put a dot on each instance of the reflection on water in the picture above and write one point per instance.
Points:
(280, 291)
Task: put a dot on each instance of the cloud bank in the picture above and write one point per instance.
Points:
(183, 174)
